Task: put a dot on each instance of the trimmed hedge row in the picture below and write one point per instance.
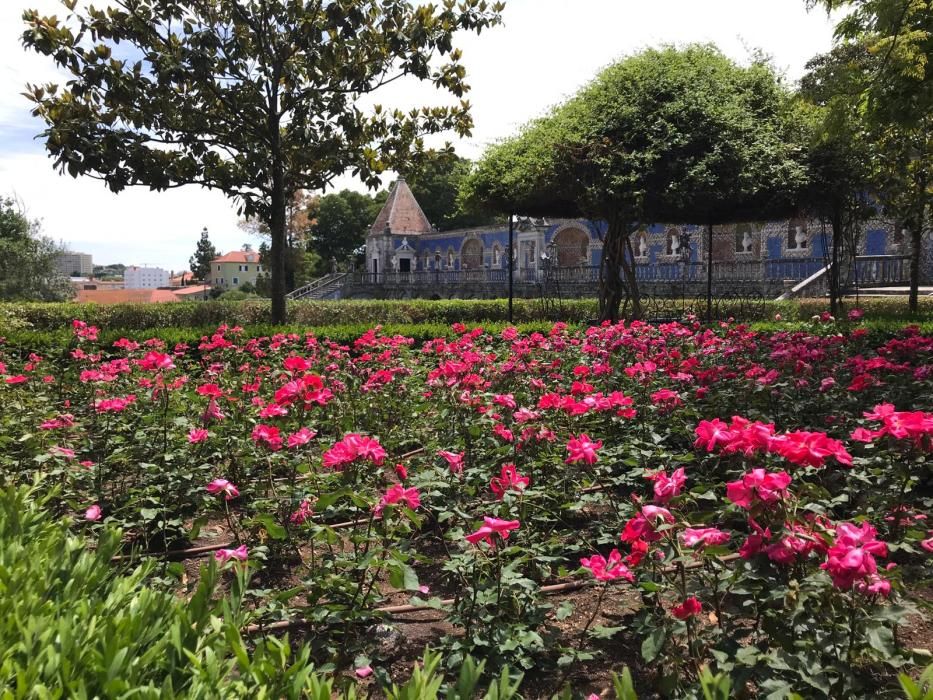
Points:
(51, 342)
(304, 313)
(203, 314)
(54, 341)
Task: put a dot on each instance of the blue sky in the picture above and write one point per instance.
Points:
(545, 51)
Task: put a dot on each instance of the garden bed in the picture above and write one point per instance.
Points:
(668, 498)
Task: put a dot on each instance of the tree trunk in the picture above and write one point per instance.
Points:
(834, 271)
(613, 288)
(277, 249)
(916, 239)
(709, 272)
(628, 269)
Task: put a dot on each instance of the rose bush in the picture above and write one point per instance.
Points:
(760, 498)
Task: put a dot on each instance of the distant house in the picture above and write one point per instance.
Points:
(233, 270)
(135, 277)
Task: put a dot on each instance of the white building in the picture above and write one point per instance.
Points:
(135, 277)
(72, 264)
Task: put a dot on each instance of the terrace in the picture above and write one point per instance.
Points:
(768, 278)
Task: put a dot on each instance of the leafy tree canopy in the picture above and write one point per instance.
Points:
(256, 98)
(340, 222)
(893, 94)
(898, 88)
(435, 180)
(28, 270)
(676, 135)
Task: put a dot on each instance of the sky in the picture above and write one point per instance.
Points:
(544, 51)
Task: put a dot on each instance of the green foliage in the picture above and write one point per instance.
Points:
(436, 181)
(892, 92)
(201, 260)
(840, 155)
(340, 222)
(920, 689)
(238, 295)
(28, 269)
(673, 135)
(202, 316)
(257, 100)
(74, 625)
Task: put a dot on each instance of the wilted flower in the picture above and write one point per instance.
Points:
(454, 460)
(218, 486)
(225, 555)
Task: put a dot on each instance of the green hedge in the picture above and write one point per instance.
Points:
(53, 341)
(204, 314)
(303, 313)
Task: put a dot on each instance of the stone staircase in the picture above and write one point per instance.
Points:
(872, 274)
(322, 288)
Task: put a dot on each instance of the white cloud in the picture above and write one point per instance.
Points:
(546, 50)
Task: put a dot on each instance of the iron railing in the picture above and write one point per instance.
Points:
(331, 280)
(882, 270)
(871, 269)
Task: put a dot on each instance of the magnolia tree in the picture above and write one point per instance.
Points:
(681, 136)
(255, 98)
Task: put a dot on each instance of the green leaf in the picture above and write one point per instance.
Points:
(652, 645)
(625, 689)
(881, 639)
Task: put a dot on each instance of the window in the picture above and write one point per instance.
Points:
(218, 268)
(246, 268)
(236, 280)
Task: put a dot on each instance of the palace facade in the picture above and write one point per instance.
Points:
(407, 257)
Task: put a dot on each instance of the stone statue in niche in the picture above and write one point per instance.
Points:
(394, 262)
(495, 256)
(642, 246)
(800, 238)
(675, 244)
(450, 260)
(746, 243)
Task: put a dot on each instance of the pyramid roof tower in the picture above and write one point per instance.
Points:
(402, 213)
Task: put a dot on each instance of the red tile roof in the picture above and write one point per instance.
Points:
(192, 290)
(402, 212)
(238, 256)
(125, 296)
